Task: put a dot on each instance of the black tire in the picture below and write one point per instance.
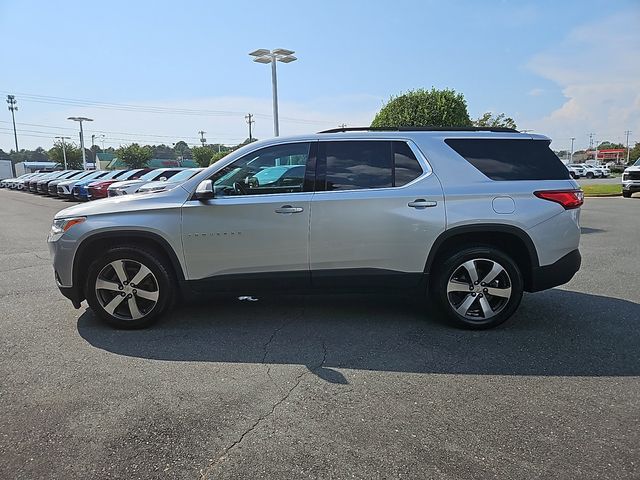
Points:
(626, 193)
(160, 283)
(482, 257)
(589, 175)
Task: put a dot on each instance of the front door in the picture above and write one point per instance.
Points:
(256, 228)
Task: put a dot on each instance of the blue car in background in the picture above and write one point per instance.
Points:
(80, 189)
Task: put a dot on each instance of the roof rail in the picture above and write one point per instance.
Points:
(420, 129)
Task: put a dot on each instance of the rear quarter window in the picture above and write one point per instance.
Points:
(511, 159)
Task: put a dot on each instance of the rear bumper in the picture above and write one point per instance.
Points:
(558, 273)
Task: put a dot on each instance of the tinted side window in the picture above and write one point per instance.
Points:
(355, 165)
(276, 169)
(406, 165)
(505, 159)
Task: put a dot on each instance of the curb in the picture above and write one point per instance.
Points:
(603, 195)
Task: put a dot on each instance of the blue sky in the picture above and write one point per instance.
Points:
(562, 68)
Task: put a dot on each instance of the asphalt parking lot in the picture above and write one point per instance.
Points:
(322, 386)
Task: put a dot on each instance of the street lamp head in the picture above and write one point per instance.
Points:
(260, 52)
(287, 59)
(282, 51)
(263, 59)
(80, 119)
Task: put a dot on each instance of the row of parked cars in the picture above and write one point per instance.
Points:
(85, 185)
(579, 170)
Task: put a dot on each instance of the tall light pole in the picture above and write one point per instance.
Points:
(64, 149)
(11, 100)
(262, 55)
(627, 133)
(571, 157)
(202, 139)
(80, 120)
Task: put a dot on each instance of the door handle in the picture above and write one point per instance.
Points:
(289, 209)
(422, 203)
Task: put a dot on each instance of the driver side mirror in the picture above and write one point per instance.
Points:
(204, 191)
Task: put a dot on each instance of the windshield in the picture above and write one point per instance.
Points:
(152, 175)
(184, 175)
(637, 164)
(113, 174)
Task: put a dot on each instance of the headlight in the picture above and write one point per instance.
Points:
(61, 225)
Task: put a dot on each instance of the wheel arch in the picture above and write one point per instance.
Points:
(103, 240)
(512, 240)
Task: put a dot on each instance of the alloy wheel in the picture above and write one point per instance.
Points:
(127, 289)
(479, 289)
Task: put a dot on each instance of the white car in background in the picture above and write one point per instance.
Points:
(162, 185)
(604, 169)
(131, 186)
(576, 170)
(12, 182)
(592, 172)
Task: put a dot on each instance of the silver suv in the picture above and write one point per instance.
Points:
(470, 217)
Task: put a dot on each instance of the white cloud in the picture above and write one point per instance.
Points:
(598, 68)
(535, 92)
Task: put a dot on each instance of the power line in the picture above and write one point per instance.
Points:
(109, 133)
(47, 99)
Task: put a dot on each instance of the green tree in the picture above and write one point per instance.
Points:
(74, 155)
(203, 155)
(424, 108)
(217, 156)
(135, 156)
(607, 144)
(487, 119)
(182, 150)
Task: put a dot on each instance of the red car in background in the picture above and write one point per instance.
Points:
(99, 188)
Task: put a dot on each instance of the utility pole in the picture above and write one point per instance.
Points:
(627, 133)
(591, 135)
(64, 149)
(249, 118)
(11, 100)
(202, 139)
(571, 157)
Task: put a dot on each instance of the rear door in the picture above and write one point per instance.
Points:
(378, 210)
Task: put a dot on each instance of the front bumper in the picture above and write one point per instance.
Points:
(558, 273)
(62, 253)
(631, 185)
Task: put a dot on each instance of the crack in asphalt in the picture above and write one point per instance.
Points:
(25, 267)
(205, 474)
(273, 336)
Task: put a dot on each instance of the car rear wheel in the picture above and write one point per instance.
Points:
(478, 287)
(129, 287)
(626, 193)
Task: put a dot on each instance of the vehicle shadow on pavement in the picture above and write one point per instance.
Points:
(554, 333)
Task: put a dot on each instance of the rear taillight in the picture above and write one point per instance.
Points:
(567, 198)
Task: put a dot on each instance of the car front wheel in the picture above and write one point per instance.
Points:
(129, 287)
(478, 287)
